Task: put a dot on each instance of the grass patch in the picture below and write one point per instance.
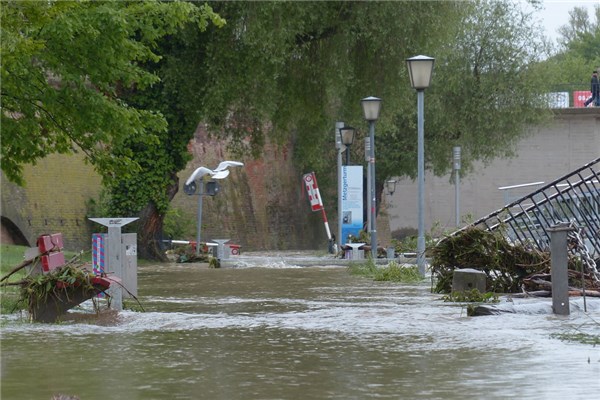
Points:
(584, 338)
(472, 299)
(366, 269)
(392, 272)
(10, 257)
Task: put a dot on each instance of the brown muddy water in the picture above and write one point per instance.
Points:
(276, 331)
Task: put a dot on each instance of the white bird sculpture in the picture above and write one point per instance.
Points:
(223, 165)
(220, 172)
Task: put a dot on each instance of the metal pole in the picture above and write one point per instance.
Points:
(421, 183)
(368, 188)
(338, 145)
(373, 193)
(199, 222)
(457, 197)
(559, 268)
(456, 157)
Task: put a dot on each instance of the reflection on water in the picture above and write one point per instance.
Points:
(298, 333)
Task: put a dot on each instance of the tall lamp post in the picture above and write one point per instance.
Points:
(420, 69)
(367, 158)
(339, 146)
(371, 107)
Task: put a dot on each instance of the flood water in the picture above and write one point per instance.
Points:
(282, 332)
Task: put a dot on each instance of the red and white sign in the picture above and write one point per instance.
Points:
(310, 182)
(580, 97)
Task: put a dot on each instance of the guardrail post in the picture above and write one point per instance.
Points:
(559, 265)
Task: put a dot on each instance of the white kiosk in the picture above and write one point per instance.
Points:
(121, 254)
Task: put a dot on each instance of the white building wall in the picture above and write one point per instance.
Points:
(546, 154)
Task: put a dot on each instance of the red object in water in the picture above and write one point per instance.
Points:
(52, 242)
(53, 260)
(100, 281)
(235, 249)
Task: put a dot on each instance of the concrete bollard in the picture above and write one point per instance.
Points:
(391, 253)
(356, 253)
(467, 279)
(559, 266)
(221, 253)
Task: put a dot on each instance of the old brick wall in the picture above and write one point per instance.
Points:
(53, 200)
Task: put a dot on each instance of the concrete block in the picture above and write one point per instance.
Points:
(467, 279)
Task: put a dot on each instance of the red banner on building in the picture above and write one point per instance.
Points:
(580, 97)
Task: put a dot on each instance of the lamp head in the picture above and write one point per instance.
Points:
(390, 186)
(420, 69)
(347, 135)
(371, 107)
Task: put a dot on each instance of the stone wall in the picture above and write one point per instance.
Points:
(53, 200)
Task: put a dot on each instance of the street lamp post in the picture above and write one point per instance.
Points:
(367, 158)
(420, 69)
(339, 146)
(371, 107)
(344, 136)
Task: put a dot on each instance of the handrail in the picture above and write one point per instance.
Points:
(574, 197)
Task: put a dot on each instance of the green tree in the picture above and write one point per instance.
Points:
(579, 28)
(68, 69)
(64, 68)
(277, 70)
(302, 66)
(570, 67)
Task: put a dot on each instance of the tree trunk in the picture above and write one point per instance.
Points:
(150, 230)
(149, 234)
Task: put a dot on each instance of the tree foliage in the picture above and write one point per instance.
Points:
(301, 66)
(64, 67)
(569, 68)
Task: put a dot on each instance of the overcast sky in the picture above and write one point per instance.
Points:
(556, 13)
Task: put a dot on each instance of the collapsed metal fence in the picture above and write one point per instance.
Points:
(573, 198)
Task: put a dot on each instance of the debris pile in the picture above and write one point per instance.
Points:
(509, 268)
(49, 295)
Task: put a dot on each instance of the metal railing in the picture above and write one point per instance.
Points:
(573, 198)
